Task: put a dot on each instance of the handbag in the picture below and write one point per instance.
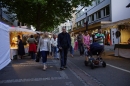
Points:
(38, 57)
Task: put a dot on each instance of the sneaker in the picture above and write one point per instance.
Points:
(62, 68)
(71, 55)
(65, 67)
(44, 67)
(58, 59)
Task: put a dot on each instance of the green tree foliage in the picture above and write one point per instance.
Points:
(43, 14)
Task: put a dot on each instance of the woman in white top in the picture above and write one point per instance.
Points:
(54, 47)
(44, 46)
(72, 45)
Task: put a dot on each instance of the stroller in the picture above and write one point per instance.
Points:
(94, 49)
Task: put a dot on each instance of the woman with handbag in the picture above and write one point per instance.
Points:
(44, 46)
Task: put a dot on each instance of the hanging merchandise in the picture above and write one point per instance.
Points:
(118, 33)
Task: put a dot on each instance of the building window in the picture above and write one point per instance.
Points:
(89, 19)
(104, 12)
(97, 2)
(92, 17)
(98, 14)
(85, 20)
(79, 23)
(107, 10)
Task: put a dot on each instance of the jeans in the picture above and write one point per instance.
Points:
(63, 56)
(71, 50)
(55, 52)
(32, 55)
(81, 48)
(44, 56)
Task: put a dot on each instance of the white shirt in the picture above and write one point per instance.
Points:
(54, 42)
(44, 44)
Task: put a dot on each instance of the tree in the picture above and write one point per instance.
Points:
(43, 14)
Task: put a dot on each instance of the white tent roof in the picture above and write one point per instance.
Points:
(4, 45)
(26, 31)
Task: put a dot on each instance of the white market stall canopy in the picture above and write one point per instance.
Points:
(4, 45)
(24, 31)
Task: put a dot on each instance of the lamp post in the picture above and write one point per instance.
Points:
(128, 5)
(0, 9)
(86, 21)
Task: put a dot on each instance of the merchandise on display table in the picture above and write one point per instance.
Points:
(23, 33)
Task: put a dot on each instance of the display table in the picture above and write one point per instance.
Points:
(122, 50)
(13, 51)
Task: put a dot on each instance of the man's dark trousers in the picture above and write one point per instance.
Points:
(63, 56)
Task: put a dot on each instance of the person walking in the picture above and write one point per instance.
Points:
(75, 43)
(64, 43)
(32, 46)
(80, 43)
(99, 38)
(21, 50)
(86, 41)
(44, 46)
(54, 46)
(72, 45)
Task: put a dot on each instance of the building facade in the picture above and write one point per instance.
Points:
(100, 13)
(67, 25)
(5, 18)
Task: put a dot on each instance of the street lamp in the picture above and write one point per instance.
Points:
(86, 20)
(128, 5)
(1, 9)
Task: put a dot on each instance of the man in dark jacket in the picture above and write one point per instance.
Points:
(64, 43)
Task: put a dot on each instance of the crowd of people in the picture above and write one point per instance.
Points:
(59, 45)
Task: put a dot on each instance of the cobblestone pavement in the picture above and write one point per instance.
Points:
(27, 72)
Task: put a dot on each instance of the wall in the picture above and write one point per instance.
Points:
(119, 10)
(125, 35)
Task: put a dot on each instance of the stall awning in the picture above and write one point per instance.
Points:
(116, 24)
(25, 31)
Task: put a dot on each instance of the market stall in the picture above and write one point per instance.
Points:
(4, 45)
(122, 50)
(24, 33)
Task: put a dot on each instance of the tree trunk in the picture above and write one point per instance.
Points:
(38, 17)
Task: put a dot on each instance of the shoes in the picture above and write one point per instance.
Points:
(44, 67)
(71, 55)
(62, 68)
(65, 67)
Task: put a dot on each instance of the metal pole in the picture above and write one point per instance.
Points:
(0, 9)
(86, 21)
